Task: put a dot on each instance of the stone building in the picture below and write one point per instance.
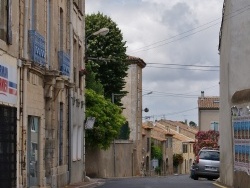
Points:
(179, 139)
(163, 137)
(42, 47)
(10, 151)
(132, 104)
(179, 127)
(124, 157)
(146, 148)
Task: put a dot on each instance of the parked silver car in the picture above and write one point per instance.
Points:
(206, 164)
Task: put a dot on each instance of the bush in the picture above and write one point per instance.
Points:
(206, 139)
(177, 159)
(157, 170)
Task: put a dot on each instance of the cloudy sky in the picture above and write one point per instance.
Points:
(178, 39)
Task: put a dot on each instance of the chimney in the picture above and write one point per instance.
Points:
(186, 121)
(202, 94)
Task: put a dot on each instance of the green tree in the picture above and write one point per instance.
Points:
(92, 82)
(111, 71)
(124, 132)
(156, 152)
(108, 120)
(192, 124)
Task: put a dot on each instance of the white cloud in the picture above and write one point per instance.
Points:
(145, 22)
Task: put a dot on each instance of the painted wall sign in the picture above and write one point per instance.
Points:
(8, 82)
(241, 137)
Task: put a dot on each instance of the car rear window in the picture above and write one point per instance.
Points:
(210, 155)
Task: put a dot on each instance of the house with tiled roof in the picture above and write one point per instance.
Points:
(208, 112)
(159, 136)
(172, 140)
(180, 127)
(182, 142)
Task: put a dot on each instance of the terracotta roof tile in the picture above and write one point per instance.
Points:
(178, 123)
(136, 60)
(208, 103)
(158, 138)
(181, 137)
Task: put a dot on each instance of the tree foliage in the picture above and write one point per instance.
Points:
(156, 152)
(192, 124)
(124, 132)
(206, 139)
(92, 82)
(108, 120)
(111, 71)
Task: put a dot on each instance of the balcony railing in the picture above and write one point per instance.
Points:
(64, 62)
(37, 47)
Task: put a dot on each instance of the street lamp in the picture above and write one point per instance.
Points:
(103, 31)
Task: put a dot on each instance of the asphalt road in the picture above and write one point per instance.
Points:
(178, 181)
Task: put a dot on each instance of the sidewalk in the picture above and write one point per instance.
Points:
(90, 184)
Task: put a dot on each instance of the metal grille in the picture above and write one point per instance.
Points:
(7, 147)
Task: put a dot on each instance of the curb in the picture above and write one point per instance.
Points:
(218, 185)
(89, 184)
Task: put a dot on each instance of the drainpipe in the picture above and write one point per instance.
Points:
(70, 90)
(24, 89)
(113, 101)
(25, 30)
(69, 134)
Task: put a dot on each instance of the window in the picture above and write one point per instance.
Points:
(5, 21)
(77, 143)
(61, 134)
(61, 30)
(74, 152)
(210, 155)
(49, 28)
(81, 6)
(148, 141)
(214, 126)
(34, 127)
(170, 142)
(184, 148)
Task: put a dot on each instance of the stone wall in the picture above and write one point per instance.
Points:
(100, 163)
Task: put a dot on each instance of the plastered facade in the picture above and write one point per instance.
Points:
(234, 77)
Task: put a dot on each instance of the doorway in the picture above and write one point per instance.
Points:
(8, 134)
(33, 143)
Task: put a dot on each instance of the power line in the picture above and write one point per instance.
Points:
(185, 95)
(169, 114)
(147, 90)
(182, 68)
(174, 64)
(142, 48)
